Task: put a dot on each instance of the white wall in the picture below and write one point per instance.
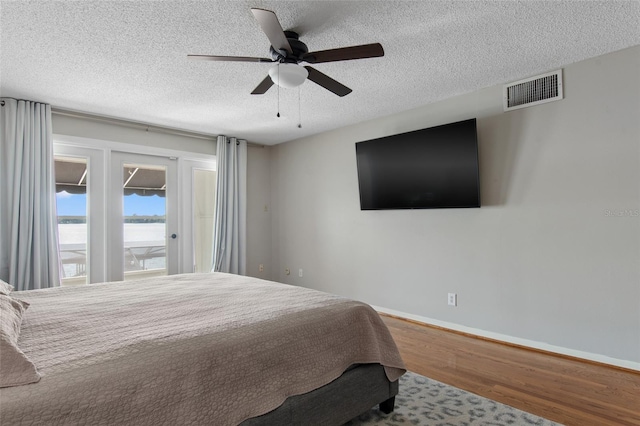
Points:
(259, 212)
(553, 255)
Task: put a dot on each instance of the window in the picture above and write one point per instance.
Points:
(204, 186)
(123, 212)
(146, 216)
(71, 200)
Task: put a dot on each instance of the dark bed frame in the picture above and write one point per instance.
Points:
(358, 390)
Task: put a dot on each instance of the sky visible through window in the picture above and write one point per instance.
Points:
(75, 205)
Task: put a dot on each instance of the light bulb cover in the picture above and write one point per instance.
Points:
(288, 75)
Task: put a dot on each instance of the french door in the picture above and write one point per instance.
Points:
(81, 214)
(143, 216)
(124, 215)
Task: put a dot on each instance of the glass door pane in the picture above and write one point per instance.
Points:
(143, 236)
(144, 227)
(71, 200)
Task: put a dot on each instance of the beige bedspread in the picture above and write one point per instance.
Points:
(186, 349)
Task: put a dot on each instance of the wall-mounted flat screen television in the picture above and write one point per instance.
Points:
(424, 169)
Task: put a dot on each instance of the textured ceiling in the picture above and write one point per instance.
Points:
(128, 59)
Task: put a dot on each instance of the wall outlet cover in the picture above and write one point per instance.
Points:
(452, 299)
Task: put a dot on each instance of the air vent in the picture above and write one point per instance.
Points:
(533, 91)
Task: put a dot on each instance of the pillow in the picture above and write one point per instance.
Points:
(5, 288)
(15, 369)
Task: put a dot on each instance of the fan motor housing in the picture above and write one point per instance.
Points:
(299, 49)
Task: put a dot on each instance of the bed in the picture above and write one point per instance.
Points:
(200, 349)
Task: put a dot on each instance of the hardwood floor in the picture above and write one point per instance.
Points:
(565, 390)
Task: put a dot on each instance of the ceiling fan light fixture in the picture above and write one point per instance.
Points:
(288, 76)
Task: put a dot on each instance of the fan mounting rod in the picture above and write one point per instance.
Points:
(299, 49)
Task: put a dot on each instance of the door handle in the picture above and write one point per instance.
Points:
(174, 236)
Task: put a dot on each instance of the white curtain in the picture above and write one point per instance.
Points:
(28, 225)
(229, 234)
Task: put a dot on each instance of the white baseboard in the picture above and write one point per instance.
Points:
(632, 365)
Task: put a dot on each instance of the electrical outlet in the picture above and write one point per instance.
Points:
(261, 267)
(287, 271)
(300, 272)
(452, 299)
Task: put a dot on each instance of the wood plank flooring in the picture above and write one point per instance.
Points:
(568, 391)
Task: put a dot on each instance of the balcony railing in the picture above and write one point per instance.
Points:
(138, 256)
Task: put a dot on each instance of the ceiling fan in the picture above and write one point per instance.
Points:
(288, 51)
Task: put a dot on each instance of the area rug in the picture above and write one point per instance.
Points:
(423, 401)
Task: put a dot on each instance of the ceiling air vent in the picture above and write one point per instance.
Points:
(533, 91)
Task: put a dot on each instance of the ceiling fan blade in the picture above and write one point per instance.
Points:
(327, 82)
(271, 26)
(262, 88)
(345, 53)
(228, 58)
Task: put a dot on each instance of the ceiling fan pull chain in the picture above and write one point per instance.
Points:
(299, 109)
(278, 114)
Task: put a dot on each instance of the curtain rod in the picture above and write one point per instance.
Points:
(138, 125)
(130, 123)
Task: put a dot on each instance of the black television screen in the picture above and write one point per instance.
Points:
(429, 168)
